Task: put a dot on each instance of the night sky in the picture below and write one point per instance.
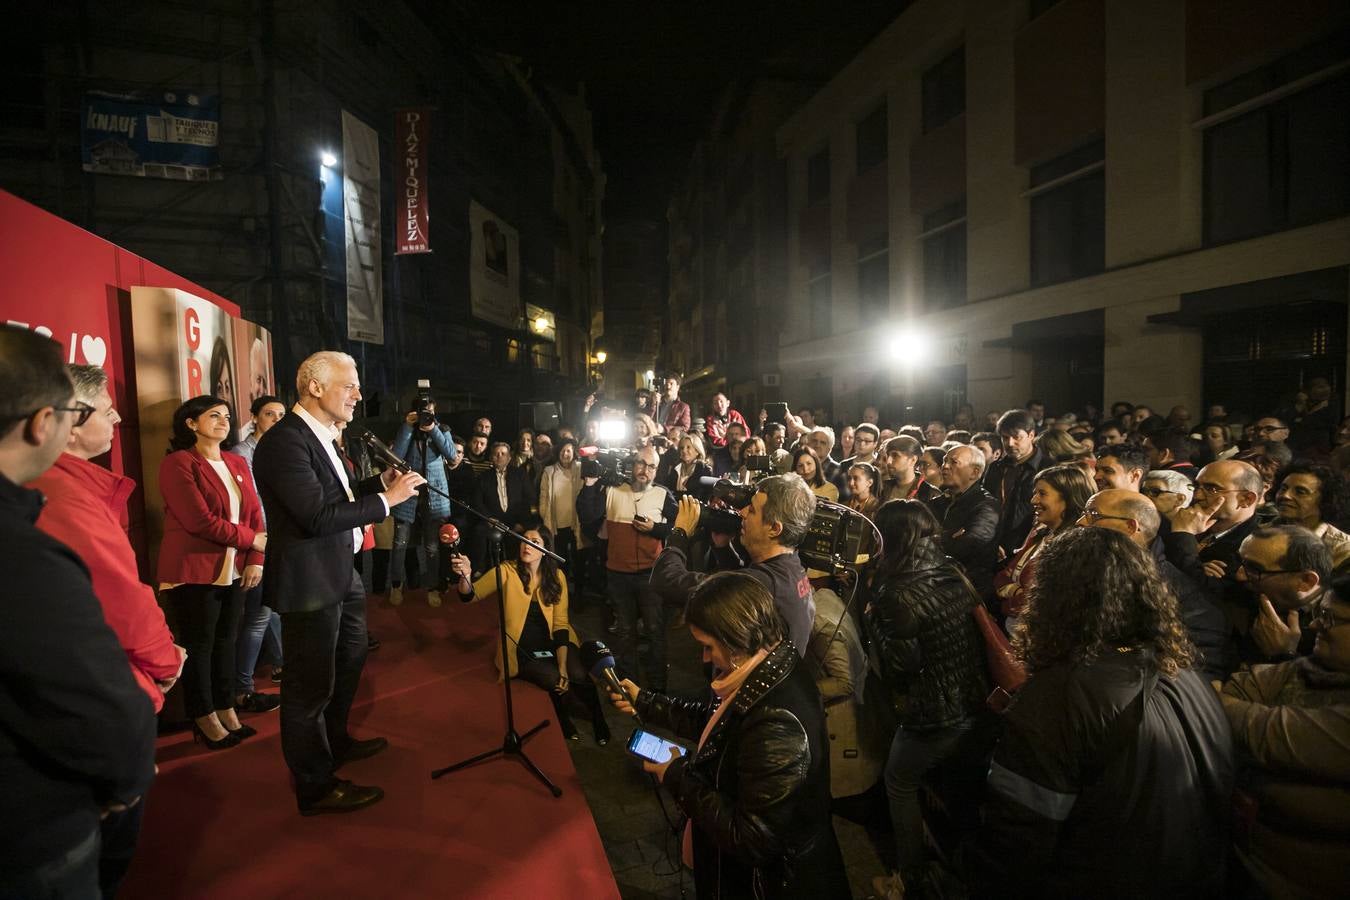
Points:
(654, 70)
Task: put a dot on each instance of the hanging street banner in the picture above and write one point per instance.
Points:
(361, 214)
(412, 129)
(173, 135)
(494, 269)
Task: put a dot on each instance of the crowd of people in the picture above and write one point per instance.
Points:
(1174, 597)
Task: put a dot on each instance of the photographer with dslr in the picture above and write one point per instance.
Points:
(773, 522)
(636, 516)
(423, 443)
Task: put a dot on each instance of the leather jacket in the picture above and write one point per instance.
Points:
(758, 792)
(931, 653)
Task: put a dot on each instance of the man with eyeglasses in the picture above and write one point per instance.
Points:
(1204, 537)
(1291, 721)
(1285, 567)
(77, 734)
(1271, 430)
(636, 517)
(1133, 515)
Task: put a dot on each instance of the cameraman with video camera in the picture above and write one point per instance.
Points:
(773, 522)
(636, 515)
(424, 443)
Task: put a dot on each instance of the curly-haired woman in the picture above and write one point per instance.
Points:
(1115, 768)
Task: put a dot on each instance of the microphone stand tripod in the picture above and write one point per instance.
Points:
(513, 743)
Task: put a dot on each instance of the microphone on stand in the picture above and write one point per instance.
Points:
(382, 451)
(595, 656)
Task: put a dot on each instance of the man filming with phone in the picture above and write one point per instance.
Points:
(636, 516)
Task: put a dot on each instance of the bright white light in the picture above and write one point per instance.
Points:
(650, 375)
(328, 159)
(541, 324)
(908, 347)
(611, 430)
(600, 356)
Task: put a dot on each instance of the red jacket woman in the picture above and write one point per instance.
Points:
(197, 527)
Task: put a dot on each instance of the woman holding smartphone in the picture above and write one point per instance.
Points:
(534, 605)
(757, 787)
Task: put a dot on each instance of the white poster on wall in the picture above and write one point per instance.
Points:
(361, 212)
(494, 268)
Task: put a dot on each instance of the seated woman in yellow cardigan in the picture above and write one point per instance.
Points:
(535, 606)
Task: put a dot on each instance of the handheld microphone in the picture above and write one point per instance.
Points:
(383, 451)
(449, 536)
(595, 656)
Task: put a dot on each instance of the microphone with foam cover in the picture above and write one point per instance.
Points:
(449, 536)
(597, 659)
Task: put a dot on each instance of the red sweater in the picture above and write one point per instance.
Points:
(197, 526)
(85, 503)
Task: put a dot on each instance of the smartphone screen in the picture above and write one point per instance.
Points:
(648, 746)
(542, 654)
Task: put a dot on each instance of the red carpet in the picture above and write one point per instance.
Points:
(224, 824)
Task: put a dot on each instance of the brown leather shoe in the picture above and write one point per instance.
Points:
(362, 750)
(343, 798)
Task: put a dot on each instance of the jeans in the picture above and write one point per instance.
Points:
(73, 875)
(259, 626)
(427, 547)
(208, 624)
(913, 755)
(325, 653)
(631, 595)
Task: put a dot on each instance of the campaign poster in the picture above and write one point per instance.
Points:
(166, 134)
(494, 268)
(361, 215)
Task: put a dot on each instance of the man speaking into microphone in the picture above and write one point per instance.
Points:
(315, 513)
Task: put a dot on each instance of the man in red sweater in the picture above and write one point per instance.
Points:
(85, 507)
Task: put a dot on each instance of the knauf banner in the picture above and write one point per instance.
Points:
(174, 135)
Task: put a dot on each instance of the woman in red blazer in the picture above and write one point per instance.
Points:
(213, 546)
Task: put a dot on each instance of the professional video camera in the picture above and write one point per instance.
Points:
(613, 466)
(758, 467)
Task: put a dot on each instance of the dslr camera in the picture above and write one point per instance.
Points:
(422, 404)
(613, 467)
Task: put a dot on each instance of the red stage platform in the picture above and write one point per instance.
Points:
(224, 824)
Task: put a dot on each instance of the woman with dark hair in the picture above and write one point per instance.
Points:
(805, 464)
(757, 787)
(1057, 500)
(522, 452)
(534, 604)
(1114, 774)
(222, 379)
(862, 487)
(1317, 498)
(931, 656)
(930, 464)
(213, 545)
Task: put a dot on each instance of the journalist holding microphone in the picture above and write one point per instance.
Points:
(756, 787)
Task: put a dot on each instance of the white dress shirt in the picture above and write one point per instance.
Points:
(328, 436)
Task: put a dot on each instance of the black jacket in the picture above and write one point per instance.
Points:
(518, 499)
(1204, 620)
(309, 518)
(1109, 781)
(758, 792)
(969, 535)
(1010, 483)
(1237, 602)
(931, 653)
(76, 731)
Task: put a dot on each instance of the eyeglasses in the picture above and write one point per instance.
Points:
(1267, 428)
(1093, 515)
(82, 412)
(1156, 492)
(1322, 616)
(1255, 572)
(1211, 488)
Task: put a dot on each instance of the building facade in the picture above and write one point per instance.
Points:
(1080, 201)
(268, 233)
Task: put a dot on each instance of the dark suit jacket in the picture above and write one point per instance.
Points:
(518, 496)
(309, 519)
(969, 526)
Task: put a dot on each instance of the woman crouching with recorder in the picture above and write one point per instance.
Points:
(534, 605)
(757, 788)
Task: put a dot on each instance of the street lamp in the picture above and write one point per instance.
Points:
(328, 159)
(601, 356)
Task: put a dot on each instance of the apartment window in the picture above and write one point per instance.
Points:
(544, 357)
(1068, 215)
(1281, 160)
(818, 177)
(944, 90)
(874, 278)
(818, 299)
(872, 139)
(944, 256)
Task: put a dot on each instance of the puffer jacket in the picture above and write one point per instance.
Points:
(921, 625)
(758, 792)
(425, 457)
(1110, 780)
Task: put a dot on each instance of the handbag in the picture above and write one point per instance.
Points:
(1005, 669)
